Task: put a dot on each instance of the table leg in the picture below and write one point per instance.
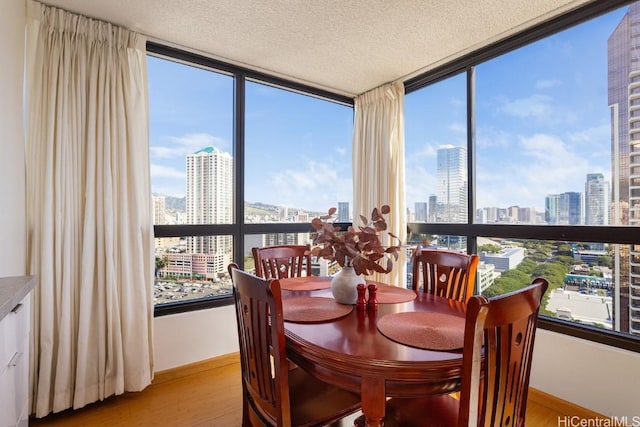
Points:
(372, 393)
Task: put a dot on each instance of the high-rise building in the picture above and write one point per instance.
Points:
(209, 201)
(159, 210)
(421, 211)
(552, 209)
(596, 200)
(564, 209)
(527, 215)
(451, 189)
(623, 90)
(571, 208)
(433, 203)
(343, 212)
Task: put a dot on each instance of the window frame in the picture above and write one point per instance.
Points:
(238, 229)
(464, 64)
(605, 234)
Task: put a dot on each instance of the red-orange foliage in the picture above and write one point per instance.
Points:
(360, 248)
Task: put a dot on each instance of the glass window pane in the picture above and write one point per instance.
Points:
(319, 267)
(298, 156)
(436, 152)
(583, 278)
(190, 138)
(184, 275)
(544, 131)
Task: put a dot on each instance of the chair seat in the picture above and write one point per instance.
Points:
(313, 401)
(433, 411)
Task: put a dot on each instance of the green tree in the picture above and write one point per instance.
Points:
(161, 262)
(490, 248)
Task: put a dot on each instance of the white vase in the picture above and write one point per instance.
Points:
(344, 285)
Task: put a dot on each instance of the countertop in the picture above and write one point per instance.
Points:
(13, 290)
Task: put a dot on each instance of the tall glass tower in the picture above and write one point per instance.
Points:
(451, 190)
(343, 212)
(624, 100)
(596, 200)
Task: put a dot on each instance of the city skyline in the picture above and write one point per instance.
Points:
(564, 207)
(548, 112)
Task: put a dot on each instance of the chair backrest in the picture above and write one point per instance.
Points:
(265, 380)
(282, 261)
(444, 273)
(498, 348)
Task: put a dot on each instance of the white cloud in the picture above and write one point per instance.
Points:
(546, 164)
(313, 185)
(546, 84)
(419, 184)
(180, 146)
(158, 171)
(488, 136)
(596, 135)
(536, 106)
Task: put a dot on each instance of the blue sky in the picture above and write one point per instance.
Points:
(542, 124)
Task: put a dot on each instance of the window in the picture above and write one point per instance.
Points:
(191, 159)
(552, 177)
(214, 195)
(298, 156)
(436, 152)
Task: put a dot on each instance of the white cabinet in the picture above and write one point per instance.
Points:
(14, 365)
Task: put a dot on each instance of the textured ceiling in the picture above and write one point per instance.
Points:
(345, 46)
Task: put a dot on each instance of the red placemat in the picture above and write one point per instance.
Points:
(393, 294)
(313, 309)
(309, 283)
(432, 331)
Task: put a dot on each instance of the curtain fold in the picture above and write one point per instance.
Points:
(90, 228)
(378, 165)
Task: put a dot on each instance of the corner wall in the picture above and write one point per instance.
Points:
(12, 150)
(595, 376)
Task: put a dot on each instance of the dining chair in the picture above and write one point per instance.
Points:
(496, 364)
(444, 273)
(282, 261)
(274, 395)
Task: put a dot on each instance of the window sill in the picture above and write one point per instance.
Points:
(183, 307)
(590, 333)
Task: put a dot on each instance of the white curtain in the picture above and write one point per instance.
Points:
(90, 235)
(378, 165)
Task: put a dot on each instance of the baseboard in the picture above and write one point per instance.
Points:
(560, 405)
(196, 367)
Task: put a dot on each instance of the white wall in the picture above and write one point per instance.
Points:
(180, 339)
(12, 158)
(594, 376)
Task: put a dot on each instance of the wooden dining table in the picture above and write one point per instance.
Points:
(351, 352)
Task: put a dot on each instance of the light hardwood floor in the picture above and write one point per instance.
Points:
(209, 394)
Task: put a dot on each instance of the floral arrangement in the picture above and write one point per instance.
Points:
(361, 248)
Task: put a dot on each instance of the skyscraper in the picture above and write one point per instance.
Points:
(571, 208)
(596, 200)
(209, 201)
(451, 190)
(552, 209)
(343, 212)
(159, 210)
(564, 209)
(433, 203)
(623, 90)
(421, 211)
